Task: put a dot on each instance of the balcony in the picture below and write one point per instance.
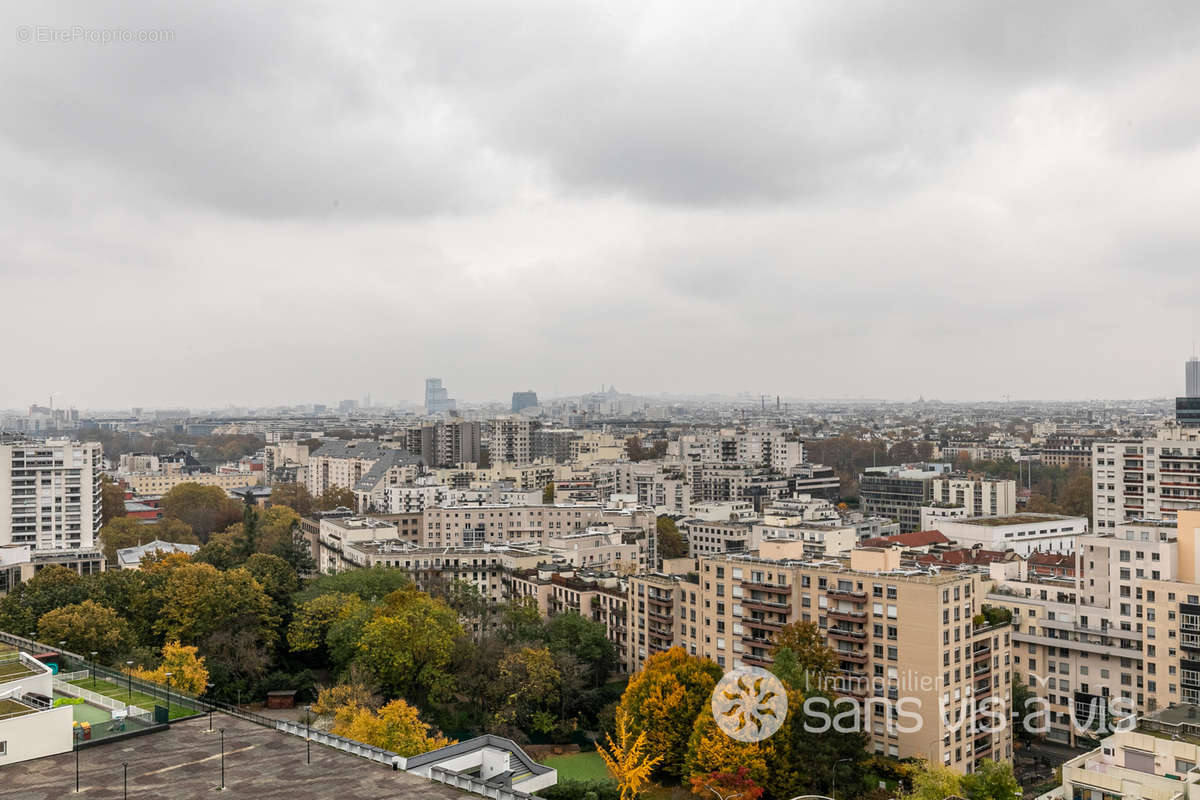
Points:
(766, 587)
(759, 622)
(847, 634)
(765, 605)
(982, 652)
(855, 656)
(846, 594)
(847, 614)
(660, 617)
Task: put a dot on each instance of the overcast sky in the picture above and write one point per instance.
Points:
(298, 202)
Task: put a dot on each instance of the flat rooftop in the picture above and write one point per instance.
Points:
(185, 762)
(1013, 519)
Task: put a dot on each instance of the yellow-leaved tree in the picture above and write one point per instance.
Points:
(188, 673)
(396, 727)
(628, 760)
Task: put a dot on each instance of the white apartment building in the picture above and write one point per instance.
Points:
(933, 516)
(1022, 533)
(50, 493)
(981, 497)
(511, 440)
(344, 464)
(1145, 478)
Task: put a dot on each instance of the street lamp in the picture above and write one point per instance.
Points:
(308, 734)
(93, 669)
(129, 683)
(168, 676)
(222, 730)
(208, 687)
(125, 768)
(833, 780)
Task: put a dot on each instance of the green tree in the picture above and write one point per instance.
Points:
(86, 627)
(528, 684)
(409, 643)
(221, 550)
(199, 601)
(520, 621)
(50, 588)
(275, 576)
(587, 640)
(548, 493)
(670, 540)
(371, 584)
(934, 782)
(311, 623)
(804, 755)
(663, 701)
(121, 532)
(206, 509)
(991, 780)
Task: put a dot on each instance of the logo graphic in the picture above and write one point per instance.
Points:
(749, 704)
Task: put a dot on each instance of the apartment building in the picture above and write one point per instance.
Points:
(510, 439)
(1024, 533)
(708, 537)
(285, 461)
(947, 661)
(19, 563)
(599, 595)
(475, 525)
(1158, 764)
(1125, 626)
(603, 546)
(339, 464)
(50, 493)
(1145, 478)
(981, 497)
(446, 443)
(437, 397)
(899, 493)
(521, 476)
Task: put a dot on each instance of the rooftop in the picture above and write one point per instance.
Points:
(1013, 519)
(184, 762)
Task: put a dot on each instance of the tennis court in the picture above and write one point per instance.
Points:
(135, 698)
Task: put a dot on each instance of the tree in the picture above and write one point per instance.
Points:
(336, 497)
(663, 701)
(670, 540)
(520, 621)
(313, 619)
(206, 509)
(199, 600)
(736, 785)
(587, 640)
(356, 689)
(50, 588)
(397, 727)
(804, 755)
(629, 759)
(372, 584)
(122, 532)
(187, 669)
(528, 682)
(813, 658)
(409, 643)
(221, 550)
(1022, 698)
(548, 493)
(294, 496)
(112, 500)
(934, 782)
(712, 752)
(86, 627)
(991, 780)
(275, 576)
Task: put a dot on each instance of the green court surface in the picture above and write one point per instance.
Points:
(579, 766)
(136, 698)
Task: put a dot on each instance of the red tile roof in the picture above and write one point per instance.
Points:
(916, 539)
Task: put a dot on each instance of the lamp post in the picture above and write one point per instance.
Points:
(168, 677)
(125, 768)
(222, 757)
(208, 687)
(129, 682)
(833, 778)
(62, 645)
(76, 767)
(308, 734)
(93, 669)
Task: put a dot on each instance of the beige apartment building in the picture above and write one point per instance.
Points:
(946, 665)
(1145, 478)
(499, 523)
(598, 595)
(1122, 635)
(161, 483)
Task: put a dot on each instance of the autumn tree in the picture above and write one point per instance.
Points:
(336, 497)
(710, 751)
(528, 684)
(311, 623)
(294, 496)
(805, 751)
(188, 672)
(112, 500)
(86, 627)
(663, 701)
(548, 493)
(396, 727)
(275, 576)
(670, 540)
(206, 509)
(811, 657)
(122, 532)
(629, 759)
(199, 601)
(50, 588)
(935, 782)
(736, 785)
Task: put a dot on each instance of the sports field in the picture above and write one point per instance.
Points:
(136, 698)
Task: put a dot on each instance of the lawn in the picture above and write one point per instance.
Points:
(13, 708)
(14, 670)
(139, 699)
(578, 767)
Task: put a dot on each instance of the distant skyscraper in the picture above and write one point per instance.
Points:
(437, 398)
(523, 400)
(1187, 408)
(1192, 370)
